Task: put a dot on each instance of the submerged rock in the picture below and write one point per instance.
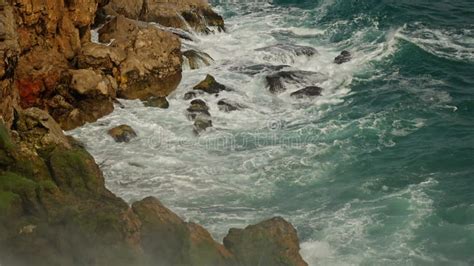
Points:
(272, 242)
(228, 106)
(159, 102)
(201, 123)
(297, 50)
(190, 95)
(210, 85)
(276, 82)
(253, 70)
(197, 107)
(123, 133)
(311, 91)
(196, 59)
(344, 57)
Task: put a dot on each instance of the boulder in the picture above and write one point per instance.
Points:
(159, 102)
(196, 59)
(344, 57)
(190, 95)
(197, 107)
(272, 242)
(228, 106)
(152, 66)
(210, 85)
(311, 91)
(122, 133)
(201, 123)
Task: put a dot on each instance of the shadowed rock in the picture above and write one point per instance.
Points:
(228, 106)
(253, 70)
(276, 82)
(210, 85)
(159, 102)
(344, 57)
(272, 242)
(201, 123)
(190, 95)
(311, 91)
(196, 59)
(197, 107)
(123, 133)
(297, 50)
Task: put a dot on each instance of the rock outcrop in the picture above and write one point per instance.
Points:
(188, 14)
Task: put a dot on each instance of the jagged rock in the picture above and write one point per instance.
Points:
(259, 68)
(276, 82)
(297, 50)
(171, 241)
(311, 91)
(190, 95)
(88, 82)
(122, 133)
(196, 14)
(210, 85)
(101, 57)
(197, 107)
(196, 59)
(201, 123)
(272, 242)
(152, 66)
(159, 102)
(228, 106)
(344, 57)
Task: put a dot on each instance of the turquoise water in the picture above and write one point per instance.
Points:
(377, 171)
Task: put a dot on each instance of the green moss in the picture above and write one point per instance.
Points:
(16, 183)
(7, 199)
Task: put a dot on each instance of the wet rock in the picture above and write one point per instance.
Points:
(201, 123)
(190, 95)
(277, 82)
(228, 106)
(197, 107)
(159, 102)
(253, 70)
(297, 50)
(122, 133)
(311, 91)
(344, 57)
(210, 85)
(196, 59)
(272, 242)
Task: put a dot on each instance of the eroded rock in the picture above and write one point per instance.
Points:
(312, 91)
(197, 59)
(226, 105)
(277, 82)
(159, 102)
(210, 85)
(197, 107)
(344, 57)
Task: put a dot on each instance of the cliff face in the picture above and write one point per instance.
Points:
(54, 207)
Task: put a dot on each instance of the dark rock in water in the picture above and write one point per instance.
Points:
(159, 102)
(276, 81)
(195, 58)
(210, 85)
(228, 106)
(272, 242)
(311, 91)
(198, 107)
(123, 133)
(190, 95)
(257, 69)
(344, 57)
(297, 50)
(201, 123)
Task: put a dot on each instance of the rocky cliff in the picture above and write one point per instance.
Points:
(54, 207)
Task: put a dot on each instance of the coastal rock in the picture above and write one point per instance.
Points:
(101, 57)
(159, 102)
(197, 107)
(297, 50)
(253, 70)
(185, 14)
(278, 81)
(210, 85)
(152, 66)
(226, 105)
(272, 242)
(196, 59)
(311, 91)
(122, 133)
(344, 57)
(190, 95)
(201, 123)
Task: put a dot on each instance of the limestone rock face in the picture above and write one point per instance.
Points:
(272, 242)
(152, 63)
(185, 14)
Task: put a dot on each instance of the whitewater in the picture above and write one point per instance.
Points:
(377, 170)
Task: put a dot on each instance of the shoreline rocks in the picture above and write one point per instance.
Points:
(210, 85)
(122, 133)
(344, 57)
